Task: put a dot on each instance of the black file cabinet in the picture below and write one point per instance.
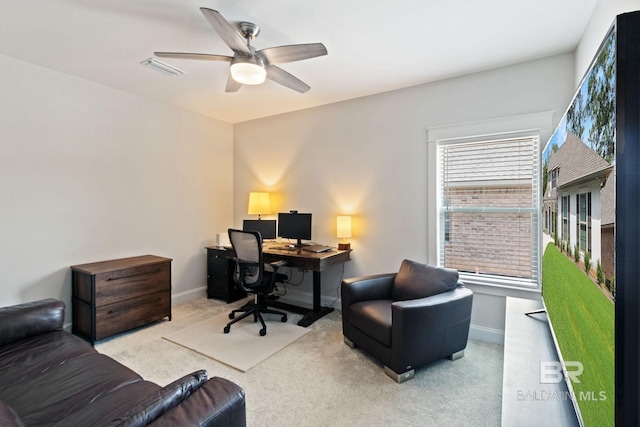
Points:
(220, 283)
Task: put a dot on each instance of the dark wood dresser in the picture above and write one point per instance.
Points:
(114, 296)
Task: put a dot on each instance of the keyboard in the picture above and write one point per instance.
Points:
(317, 248)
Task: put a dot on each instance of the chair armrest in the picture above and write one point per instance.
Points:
(365, 288)
(32, 318)
(218, 402)
(418, 316)
(277, 264)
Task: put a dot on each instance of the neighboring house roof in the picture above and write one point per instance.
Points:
(577, 162)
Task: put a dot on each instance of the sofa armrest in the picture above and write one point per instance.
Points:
(218, 402)
(32, 318)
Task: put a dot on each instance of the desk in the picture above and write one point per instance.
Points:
(295, 258)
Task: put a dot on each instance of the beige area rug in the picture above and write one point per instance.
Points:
(243, 347)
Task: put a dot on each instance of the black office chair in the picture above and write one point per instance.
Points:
(251, 275)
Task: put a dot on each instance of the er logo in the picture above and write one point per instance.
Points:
(551, 372)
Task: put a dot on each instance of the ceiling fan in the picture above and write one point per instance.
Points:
(250, 66)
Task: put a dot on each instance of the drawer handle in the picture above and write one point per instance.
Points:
(131, 275)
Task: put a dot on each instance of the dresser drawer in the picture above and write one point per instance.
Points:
(133, 282)
(129, 314)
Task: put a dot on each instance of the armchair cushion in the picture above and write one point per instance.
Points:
(416, 280)
(374, 319)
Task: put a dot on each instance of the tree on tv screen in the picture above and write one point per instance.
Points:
(594, 105)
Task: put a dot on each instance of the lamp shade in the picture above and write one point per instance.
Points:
(259, 203)
(344, 226)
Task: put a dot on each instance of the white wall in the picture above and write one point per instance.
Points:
(89, 173)
(601, 20)
(368, 158)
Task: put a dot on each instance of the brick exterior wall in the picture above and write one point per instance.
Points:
(608, 252)
(491, 243)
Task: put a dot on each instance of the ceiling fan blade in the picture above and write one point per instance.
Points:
(232, 85)
(201, 56)
(282, 77)
(294, 52)
(226, 31)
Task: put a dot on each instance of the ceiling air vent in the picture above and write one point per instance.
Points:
(162, 67)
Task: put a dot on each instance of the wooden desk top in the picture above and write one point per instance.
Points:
(299, 258)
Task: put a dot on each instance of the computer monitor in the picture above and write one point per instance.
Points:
(295, 225)
(266, 227)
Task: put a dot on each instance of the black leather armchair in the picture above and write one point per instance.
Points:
(407, 319)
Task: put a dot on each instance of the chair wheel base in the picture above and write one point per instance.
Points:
(227, 329)
(263, 332)
(284, 319)
(231, 316)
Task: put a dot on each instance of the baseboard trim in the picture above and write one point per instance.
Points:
(482, 333)
(188, 295)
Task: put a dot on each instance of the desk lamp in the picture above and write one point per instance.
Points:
(344, 231)
(259, 204)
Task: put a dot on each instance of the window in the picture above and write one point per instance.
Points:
(488, 201)
(584, 222)
(565, 218)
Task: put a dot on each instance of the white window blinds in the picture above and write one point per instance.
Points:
(488, 204)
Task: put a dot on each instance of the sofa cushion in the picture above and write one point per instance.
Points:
(373, 318)
(63, 389)
(416, 280)
(113, 408)
(44, 351)
(136, 404)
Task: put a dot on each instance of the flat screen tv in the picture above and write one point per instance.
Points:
(591, 235)
(294, 225)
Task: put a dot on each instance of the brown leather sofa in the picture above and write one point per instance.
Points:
(407, 319)
(49, 377)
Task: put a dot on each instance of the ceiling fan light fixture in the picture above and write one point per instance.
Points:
(248, 71)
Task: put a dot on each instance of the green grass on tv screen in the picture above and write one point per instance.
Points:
(582, 317)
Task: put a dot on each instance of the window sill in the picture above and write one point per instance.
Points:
(500, 286)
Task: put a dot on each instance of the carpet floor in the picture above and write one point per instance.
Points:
(319, 381)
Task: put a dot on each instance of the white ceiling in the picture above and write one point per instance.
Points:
(374, 45)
